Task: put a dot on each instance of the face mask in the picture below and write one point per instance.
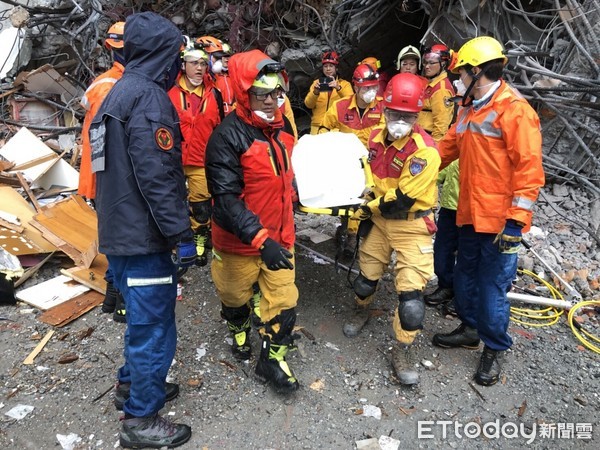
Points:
(280, 101)
(369, 96)
(263, 116)
(217, 67)
(194, 83)
(460, 87)
(398, 128)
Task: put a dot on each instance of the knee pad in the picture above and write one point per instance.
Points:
(411, 310)
(235, 314)
(201, 211)
(364, 287)
(286, 320)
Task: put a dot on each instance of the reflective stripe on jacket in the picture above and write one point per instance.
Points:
(91, 101)
(319, 104)
(410, 164)
(198, 117)
(438, 110)
(344, 116)
(500, 150)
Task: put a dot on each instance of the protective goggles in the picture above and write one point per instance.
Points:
(394, 116)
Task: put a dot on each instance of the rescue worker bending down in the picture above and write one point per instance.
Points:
(250, 177)
(358, 114)
(438, 109)
(404, 161)
(200, 108)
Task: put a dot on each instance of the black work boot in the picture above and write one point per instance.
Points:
(403, 362)
(238, 322)
(439, 296)
(272, 367)
(119, 315)
(122, 393)
(488, 371)
(202, 241)
(357, 321)
(449, 309)
(463, 336)
(110, 298)
(153, 432)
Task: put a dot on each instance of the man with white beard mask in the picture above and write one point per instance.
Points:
(405, 162)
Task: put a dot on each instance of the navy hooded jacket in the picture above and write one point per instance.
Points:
(136, 147)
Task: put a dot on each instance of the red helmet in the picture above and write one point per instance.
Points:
(330, 58)
(404, 92)
(438, 50)
(365, 75)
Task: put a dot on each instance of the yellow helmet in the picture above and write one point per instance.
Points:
(192, 52)
(478, 51)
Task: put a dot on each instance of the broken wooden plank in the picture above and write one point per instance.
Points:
(29, 272)
(38, 348)
(67, 312)
(25, 186)
(93, 276)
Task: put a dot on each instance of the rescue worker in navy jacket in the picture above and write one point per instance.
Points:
(142, 217)
(250, 177)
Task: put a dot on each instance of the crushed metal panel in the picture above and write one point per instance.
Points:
(30, 241)
(47, 80)
(72, 226)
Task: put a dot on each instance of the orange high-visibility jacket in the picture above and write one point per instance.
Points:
(223, 83)
(319, 104)
(499, 146)
(91, 101)
(344, 116)
(438, 110)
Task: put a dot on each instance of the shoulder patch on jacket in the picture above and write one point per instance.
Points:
(416, 166)
(164, 139)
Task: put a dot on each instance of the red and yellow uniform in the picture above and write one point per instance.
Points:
(223, 83)
(438, 110)
(319, 104)
(91, 101)
(500, 164)
(345, 116)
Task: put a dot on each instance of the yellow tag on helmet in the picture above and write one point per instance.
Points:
(268, 81)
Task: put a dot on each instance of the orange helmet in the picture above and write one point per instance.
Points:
(330, 58)
(365, 75)
(114, 38)
(210, 44)
(404, 92)
(372, 61)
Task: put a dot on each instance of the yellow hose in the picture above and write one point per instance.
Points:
(581, 331)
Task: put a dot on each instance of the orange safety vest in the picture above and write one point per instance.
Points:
(499, 146)
(91, 101)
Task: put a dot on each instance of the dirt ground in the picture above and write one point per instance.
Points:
(548, 383)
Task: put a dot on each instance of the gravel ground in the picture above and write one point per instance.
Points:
(348, 394)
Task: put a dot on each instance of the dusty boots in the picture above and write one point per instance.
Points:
(203, 245)
(488, 371)
(238, 322)
(152, 432)
(273, 368)
(463, 336)
(110, 299)
(403, 361)
(357, 321)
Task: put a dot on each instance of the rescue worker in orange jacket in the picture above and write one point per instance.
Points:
(358, 114)
(438, 109)
(325, 90)
(218, 66)
(404, 162)
(251, 179)
(199, 106)
(91, 101)
(497, 140)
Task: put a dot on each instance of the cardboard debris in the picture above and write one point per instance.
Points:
(72, 226)
(41, 166)
(30, 241)
(52, 292)
(67, 312)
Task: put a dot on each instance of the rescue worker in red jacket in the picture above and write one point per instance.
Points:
(199, 106)
(91, 101)
(404, 161)
(358, 114)
(218, 66)
(438, 110)
(498, 142)
(325, 90)
(250, 176)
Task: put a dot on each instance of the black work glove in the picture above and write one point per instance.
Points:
(185, 254)
(402, 202)
(275, 256)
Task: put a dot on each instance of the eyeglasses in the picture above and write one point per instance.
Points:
(430, 63)
(394, 116)
(200, 63)
(273, 94)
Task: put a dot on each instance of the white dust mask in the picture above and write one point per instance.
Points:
(369, 96)
(217, 66)
(264, 116)
(398, 128)
(460, 87)
(280, 101)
